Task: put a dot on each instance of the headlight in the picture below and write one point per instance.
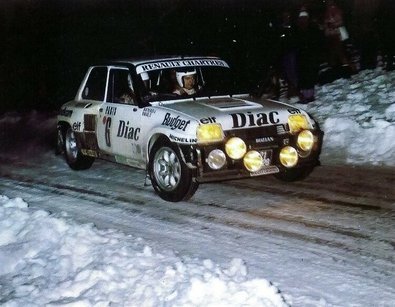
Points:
(235, 148)
(305, 140)
(253, 161)
(297, 122)
(216, 159)
(288, 156)
(209, 133)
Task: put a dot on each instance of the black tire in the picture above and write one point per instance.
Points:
(74, 158)
(170, 176)
(294, 174)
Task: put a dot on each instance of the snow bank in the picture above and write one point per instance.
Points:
(358, 118)
(49, 260)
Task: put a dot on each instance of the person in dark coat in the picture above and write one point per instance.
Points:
(386, 25)
(287, 53)
(309, 40)
(336, 34)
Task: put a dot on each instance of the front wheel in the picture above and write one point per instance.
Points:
(74, 158)
(170, 176)
(294, 174)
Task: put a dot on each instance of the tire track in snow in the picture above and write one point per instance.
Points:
(249, 220)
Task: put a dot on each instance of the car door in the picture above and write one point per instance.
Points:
(119, 128)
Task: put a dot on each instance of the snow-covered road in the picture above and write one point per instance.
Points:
(326, 241)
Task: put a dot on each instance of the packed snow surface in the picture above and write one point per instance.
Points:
(48, 259)
(51, 261)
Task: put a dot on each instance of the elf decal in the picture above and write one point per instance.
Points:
(208, 120)
(77, 126)
(294, 111)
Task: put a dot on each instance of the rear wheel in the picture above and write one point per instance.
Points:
(170, 176)
(74, 158)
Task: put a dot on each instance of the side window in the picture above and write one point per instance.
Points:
(120, 87)
(95, 85)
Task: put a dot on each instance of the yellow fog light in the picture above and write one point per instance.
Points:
(209, 133)
(216, 159)
(297, 122)
(253, 161)
(288, 156)
(305, 140)
(235, 148)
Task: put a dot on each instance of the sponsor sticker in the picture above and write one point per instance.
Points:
(208, 120)
(180, 63)
(265, 139)
(147, 112)
(128, 132)
(249, 119)
(175, 122)
(266, 170)
(77, 126)
(294, 111)
(182, 139)
(111, 110)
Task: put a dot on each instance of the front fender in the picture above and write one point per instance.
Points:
(188, 152)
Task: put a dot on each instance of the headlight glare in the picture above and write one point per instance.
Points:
(253, 161)
(216, 159)
(305, 140)
(288, 156)
(235, 148)
(209, 133)
(297, 122)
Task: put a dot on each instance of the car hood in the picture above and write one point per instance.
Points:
(236, 112)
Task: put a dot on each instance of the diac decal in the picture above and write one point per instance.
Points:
(128, 132)
(249, 119)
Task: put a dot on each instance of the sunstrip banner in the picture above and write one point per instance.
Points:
(180, 63)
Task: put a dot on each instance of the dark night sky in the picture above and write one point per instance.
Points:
(48, 44)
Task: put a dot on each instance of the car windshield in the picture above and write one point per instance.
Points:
(183, 82)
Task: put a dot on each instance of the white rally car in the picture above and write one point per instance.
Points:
(183, 120)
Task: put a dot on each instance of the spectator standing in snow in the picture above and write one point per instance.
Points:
(336, 34)
(386, 24)
(308, 53)
(287, 53)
